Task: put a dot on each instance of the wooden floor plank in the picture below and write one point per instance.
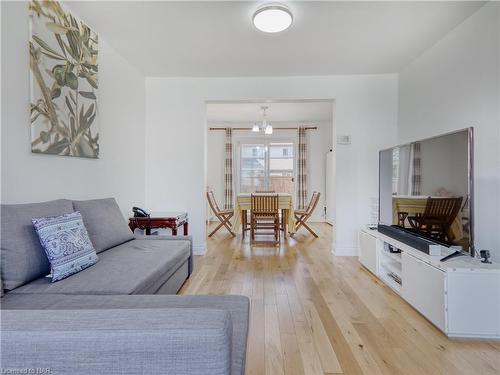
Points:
(274, 351)
(256, 339)
(291, 355)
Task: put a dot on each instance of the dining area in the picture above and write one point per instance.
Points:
(266, 170)
(266, 217)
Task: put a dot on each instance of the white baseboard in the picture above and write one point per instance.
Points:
(200, 249)
(467, 336)
(345, 251)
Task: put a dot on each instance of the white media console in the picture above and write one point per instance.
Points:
(461, 296)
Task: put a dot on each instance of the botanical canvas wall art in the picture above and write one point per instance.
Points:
(63, 69)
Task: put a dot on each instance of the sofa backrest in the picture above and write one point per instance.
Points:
(105, 223)
(23, 258)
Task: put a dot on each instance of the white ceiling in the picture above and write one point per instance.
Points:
(310, 111)
(208, 38)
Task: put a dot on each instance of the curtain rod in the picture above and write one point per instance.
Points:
(307, 128)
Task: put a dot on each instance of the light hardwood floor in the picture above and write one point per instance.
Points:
(313, 313)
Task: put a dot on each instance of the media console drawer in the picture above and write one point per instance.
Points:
(424, 288)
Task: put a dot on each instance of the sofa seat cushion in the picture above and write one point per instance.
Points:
(22, 256)
(237, 306)
(105, 223)
(130, 268)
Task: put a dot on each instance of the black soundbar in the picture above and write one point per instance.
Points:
(407, 237)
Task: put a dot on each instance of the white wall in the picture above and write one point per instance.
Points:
(454, 85)
(319, 141)
(365, 108)
(119, 172)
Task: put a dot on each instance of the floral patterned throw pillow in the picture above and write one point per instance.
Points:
(66, 243)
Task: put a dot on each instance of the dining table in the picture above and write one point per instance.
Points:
(243, 204)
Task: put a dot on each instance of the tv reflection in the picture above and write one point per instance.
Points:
(430, 188)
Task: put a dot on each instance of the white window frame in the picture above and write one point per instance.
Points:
(264, 141)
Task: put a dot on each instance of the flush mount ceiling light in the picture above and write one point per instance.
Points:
(272, 18)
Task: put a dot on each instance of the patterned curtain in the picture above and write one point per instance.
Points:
(416, 176)
(302, 169)
(228, 170)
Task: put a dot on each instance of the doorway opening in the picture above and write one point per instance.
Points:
(268, 161)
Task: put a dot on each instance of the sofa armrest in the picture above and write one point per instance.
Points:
(171, 238)
(129, 341)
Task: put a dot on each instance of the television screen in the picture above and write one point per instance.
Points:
(425, 187)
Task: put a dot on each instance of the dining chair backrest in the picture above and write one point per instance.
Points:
(313, 202)
(212, 202)
(444, 209)
(264, 203)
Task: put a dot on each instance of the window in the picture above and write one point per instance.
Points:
(281, 167)
(252, 168)
(266, 166)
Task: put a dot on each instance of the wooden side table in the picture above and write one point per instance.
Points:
(160, 220)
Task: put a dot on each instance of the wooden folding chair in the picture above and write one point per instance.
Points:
(265, 192)
(264, 214)
(303, 215)
(223, 215)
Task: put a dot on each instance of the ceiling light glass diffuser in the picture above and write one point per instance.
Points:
(272, 18)
(255, 128)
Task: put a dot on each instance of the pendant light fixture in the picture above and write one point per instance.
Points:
(268, 129)
(265, 126)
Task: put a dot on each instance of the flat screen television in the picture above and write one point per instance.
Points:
(426, 188)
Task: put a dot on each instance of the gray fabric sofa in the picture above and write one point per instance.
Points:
(118, 316)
